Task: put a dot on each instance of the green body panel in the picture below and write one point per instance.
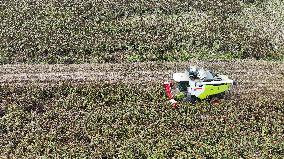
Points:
(213, 90)
(179, 96)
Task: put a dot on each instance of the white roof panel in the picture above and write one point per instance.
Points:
(180, 77)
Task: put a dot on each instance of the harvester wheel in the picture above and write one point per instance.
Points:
(191, 99)
(215, 101)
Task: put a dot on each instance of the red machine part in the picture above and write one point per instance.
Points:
(168, 89)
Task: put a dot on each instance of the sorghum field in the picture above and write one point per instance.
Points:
(83, 78)
(120, 111)
(91, 31)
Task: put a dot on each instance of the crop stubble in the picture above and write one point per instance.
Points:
(255, 78)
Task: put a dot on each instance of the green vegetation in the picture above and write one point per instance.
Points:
(118, 120)
(102, 120)
(68, 31)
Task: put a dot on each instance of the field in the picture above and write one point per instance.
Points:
(120, 110)
(83, 79)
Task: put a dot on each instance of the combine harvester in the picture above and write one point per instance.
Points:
(197, 84)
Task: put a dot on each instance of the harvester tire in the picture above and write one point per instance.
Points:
(191, 99)
(215, 101)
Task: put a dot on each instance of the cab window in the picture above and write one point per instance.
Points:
(182, 85)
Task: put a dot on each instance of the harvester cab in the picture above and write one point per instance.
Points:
(196, 84)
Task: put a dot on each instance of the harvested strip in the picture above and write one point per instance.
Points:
(252, 76)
